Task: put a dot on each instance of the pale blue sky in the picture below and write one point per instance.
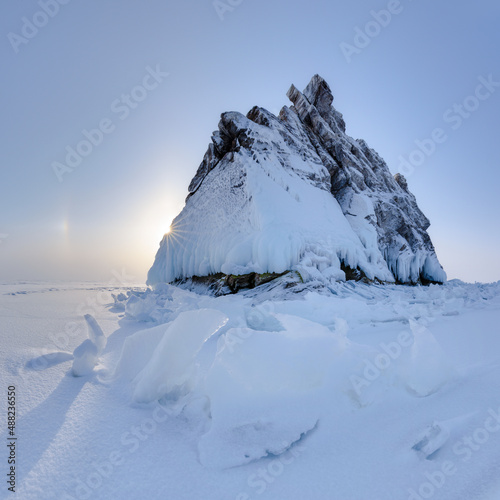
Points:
(111, 210)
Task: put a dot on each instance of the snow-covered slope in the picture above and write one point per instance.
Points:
(294, 192)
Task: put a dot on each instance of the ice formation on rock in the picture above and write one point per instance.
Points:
(295, 193)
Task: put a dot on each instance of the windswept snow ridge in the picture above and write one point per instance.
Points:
(294, 192)
(85, 358)
(87, 353)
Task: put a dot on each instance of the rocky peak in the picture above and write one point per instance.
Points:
(257, 203)
(319, 94)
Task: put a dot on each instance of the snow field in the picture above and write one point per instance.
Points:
(358, 392)
(264, 382)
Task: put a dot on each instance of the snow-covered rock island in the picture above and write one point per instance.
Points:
(296, 194)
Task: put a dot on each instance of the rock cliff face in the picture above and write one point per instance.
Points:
(294, 192)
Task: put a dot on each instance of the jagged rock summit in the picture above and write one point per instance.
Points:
(295, 193)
